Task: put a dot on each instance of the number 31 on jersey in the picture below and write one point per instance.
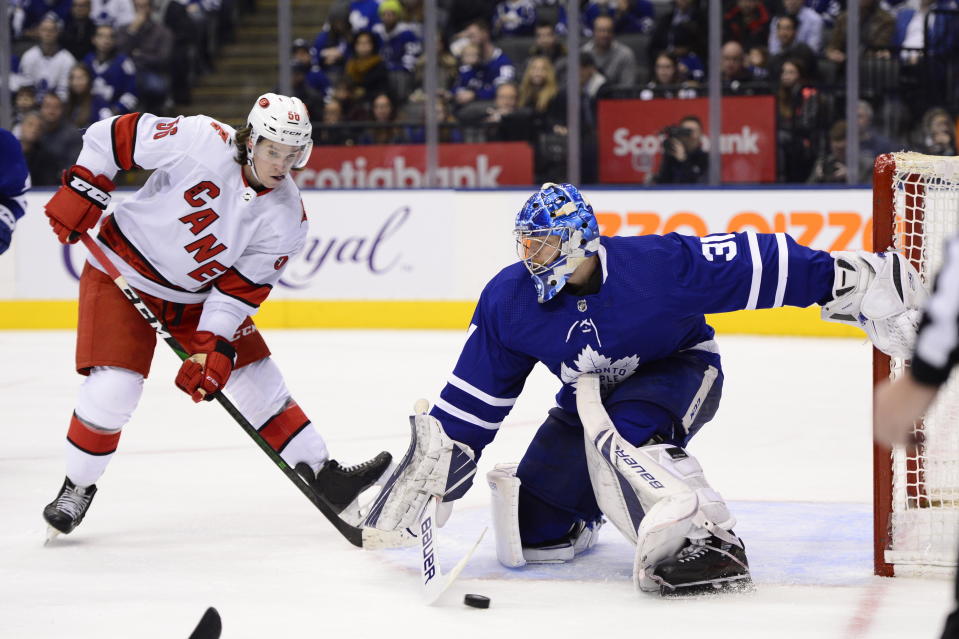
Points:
(719, 247)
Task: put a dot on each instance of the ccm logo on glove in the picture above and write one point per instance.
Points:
(208, 369)
(78, 204)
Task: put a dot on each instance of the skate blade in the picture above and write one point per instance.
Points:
(738, 584)
(52, 533)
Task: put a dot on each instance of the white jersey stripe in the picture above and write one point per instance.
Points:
(466, 417)
(783, 249)
(757, 261)
(468, 388)
(938, 338)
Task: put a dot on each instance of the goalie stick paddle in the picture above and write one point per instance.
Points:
(209, 627)
(354, 534)
(435, 583)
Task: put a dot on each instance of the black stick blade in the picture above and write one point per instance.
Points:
(209, 626)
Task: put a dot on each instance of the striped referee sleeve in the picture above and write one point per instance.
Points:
(936, 344)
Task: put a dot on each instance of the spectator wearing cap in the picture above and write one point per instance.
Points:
(78, 28)
(46, 66)
(332, 44)
(614, 59)
(399, 44)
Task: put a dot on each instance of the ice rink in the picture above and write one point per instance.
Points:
(191, 514)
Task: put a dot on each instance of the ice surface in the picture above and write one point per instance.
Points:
(190, 514)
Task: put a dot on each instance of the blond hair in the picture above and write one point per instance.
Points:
(538, 97)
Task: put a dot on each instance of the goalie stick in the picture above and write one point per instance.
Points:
(435, 583)
(358, 536)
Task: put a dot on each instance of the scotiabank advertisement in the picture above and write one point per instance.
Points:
(631, 134)
(404, 166)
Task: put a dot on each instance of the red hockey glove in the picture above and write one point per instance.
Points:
(78, 204)
(206, 371)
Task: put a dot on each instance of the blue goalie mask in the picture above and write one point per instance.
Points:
(555, 232)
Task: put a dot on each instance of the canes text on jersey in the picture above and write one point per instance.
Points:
(204, 248)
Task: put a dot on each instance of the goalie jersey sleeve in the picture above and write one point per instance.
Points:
(14, 183)
(937, 344)
(486, 381)
(739, 271)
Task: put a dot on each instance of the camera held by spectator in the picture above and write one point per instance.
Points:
(684, 159)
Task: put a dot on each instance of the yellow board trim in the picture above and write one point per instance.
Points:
(426, 314)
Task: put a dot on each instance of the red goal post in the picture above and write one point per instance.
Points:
(916, 488)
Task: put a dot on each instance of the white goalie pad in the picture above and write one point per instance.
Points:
(657, 495)
(504, 488)
(880, 293)
(434, 466)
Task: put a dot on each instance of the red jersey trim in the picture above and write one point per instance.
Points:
(235, 285)
(246, 183)
(280, 429)
(123, 133)
(112, 236)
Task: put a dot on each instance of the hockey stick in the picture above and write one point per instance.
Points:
(435, 583)
(209, 627)
(354, 534)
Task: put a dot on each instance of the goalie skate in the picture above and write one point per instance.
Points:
(66, 512)
(703, 566)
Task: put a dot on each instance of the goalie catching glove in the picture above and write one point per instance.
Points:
(434, 466)
(78, 204)
(881, 293)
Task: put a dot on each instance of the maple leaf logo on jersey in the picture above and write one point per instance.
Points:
(610, 372)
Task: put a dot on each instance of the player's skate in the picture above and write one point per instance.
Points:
(65, 513)
(704, 565)
(338, 485)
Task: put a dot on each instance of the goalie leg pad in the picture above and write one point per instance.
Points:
(434, 466)
(510, 551)
(656, 495)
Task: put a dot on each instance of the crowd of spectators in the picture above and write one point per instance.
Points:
(78, 61)
(503, 70)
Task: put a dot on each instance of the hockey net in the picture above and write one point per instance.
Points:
(916, 497)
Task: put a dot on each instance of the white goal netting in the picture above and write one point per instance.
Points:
(924, 522)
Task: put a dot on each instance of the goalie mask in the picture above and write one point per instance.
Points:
(284, 120)
(555, 232)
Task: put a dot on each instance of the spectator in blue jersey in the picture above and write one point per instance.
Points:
(114, 75)
(78, 29)
(514, 18)
(615, 60)
(470, 80)
(620, 322)
(496, 66)
(113, 12)
(302, 58)
(399, 44)
(332, 44)
(46, 66)
(14, 183)
(26, 15)
(364, 15)
(629, 16)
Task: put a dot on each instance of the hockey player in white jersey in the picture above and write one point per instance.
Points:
(620, 322)
(203, 242)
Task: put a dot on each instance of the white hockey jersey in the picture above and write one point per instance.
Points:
(196, 232)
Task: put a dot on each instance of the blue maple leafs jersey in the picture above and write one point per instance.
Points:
(655, 292)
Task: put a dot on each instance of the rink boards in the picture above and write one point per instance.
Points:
(419, 258)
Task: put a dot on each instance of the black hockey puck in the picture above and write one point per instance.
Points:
(476, 601)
